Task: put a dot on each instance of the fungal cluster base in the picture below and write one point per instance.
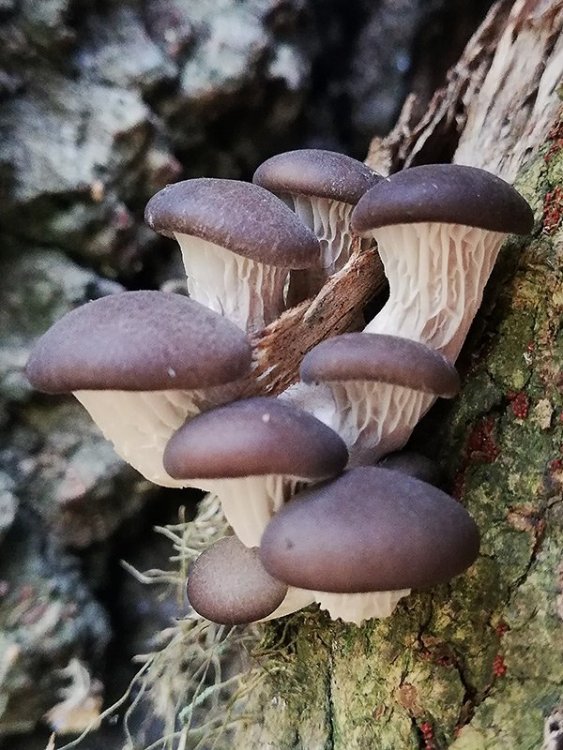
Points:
(323, 507)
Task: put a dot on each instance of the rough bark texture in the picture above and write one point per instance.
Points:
(476, 664)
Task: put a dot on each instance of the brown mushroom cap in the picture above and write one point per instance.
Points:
(243, 218)
(414, 464)
(381, 358)
(139, 341)
(370, 529)
(228, 584)
(325, 174)
(445, 193)
(255, 437)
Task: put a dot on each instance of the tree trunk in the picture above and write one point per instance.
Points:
(477, 663)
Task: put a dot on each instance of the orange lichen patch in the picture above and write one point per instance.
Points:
(555, 139)
(526, 518)
(407, 696)
(499, 666)
(427, 735)
(520, 403)
(481, 444)
(501, 628)
(556, 470)
(552, 210)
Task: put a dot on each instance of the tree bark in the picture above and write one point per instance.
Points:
(477, 663)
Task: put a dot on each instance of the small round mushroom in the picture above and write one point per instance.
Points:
(379, 388)
(253, 454)
(322, 187)
(141, 363)
(228, 584)
(439, 229)
(368, 531)
(238, 242)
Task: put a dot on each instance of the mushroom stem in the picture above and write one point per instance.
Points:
(139, 424)
(249, 293)
(250, 502)
(372, 418)
(437, 273)
(330, 222)
(376, 418)
(294, 600)
(359, 607)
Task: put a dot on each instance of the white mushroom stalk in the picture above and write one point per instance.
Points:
(330, 221)
(359, 607)
(437, 274)
(139, 424)
(372, 418)
(247, 292)
(250, 502)
(372, 389)
(294, 600)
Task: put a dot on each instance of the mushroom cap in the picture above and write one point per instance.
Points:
(325, 174)
(139, 341)
(228, 584)
(414, 464)
(444, 193)
(381, 358)
(370, 529)
(255, 437)
(243, 218)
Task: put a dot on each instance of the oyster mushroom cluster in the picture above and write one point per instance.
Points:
(318, 513)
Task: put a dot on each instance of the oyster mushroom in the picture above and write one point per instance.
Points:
(238, 242)
(253, 454)
(364, 539)
(439, 229)
(228, 584)
(373, 389)
(322, 187)
(141, 363)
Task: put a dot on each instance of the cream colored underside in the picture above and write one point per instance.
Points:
(248, 293)
(359, 607)
(436, 273)
(250, 502)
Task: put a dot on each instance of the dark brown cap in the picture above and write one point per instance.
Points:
(444, 193)
(239, 216)
(414, 464)
(369, 530)
(139, 341)
(228, 584)
(381, 358)
(325, 174)
(254, 437)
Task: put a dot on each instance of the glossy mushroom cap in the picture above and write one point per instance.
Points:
(444, 193)
(255, 437)
(369, 530)
(227, 584)
(381, 358)
(324, 174)
(243, 218)
(139, 341)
